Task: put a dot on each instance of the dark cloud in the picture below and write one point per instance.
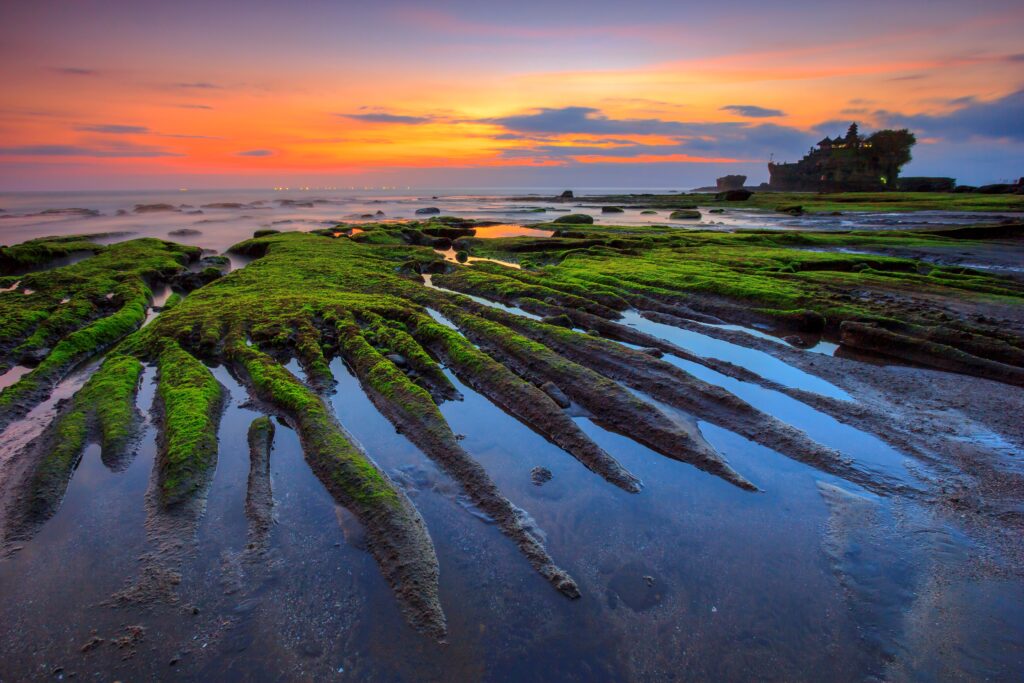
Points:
(909, 77)
(584, 120)
(998, 119)
(1015, 58)
(748, 141)
(113, 129)
(194, 106)
(719, 139)
(384, 117)
(74, 71)
(255, 153)
(514, 136)
(732, 139)
(114, 151)
(752, 111)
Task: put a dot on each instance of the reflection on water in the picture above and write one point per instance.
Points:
(692, 577)
(761, 363)
(510, 230)
(450, 256)
(13, 375)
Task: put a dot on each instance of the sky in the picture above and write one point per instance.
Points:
(667, 94)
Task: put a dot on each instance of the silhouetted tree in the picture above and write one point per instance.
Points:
(892, 149)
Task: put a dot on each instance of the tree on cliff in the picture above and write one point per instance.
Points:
(891, 149)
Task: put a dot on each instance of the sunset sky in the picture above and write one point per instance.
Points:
(140, 94)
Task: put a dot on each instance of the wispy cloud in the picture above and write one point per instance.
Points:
(194, 106)
(384, 117)
(196, 85)
(112, 152)
(122, 129)
(74, 71)
(255, 153)
(113, 129)
(752, 111)
(183, 136)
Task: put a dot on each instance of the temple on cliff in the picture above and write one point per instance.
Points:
(847, 164)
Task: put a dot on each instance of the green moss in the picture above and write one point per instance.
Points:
(69, 436)
(110, 394)
(66, 310)
(104, 408)
(173, 300)
(331, 453)
(392, 336)
(76, 347)
(41, 252)
(383, 377)
(191, 399)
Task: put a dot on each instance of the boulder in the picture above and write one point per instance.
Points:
(575, 219)
(556, 394)
(561, 320)
(566, 195)
(428, 211)
(611, 209)
(540, 475)
(740, 195)
(730, 182)
(153, 208)
(685, 215)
